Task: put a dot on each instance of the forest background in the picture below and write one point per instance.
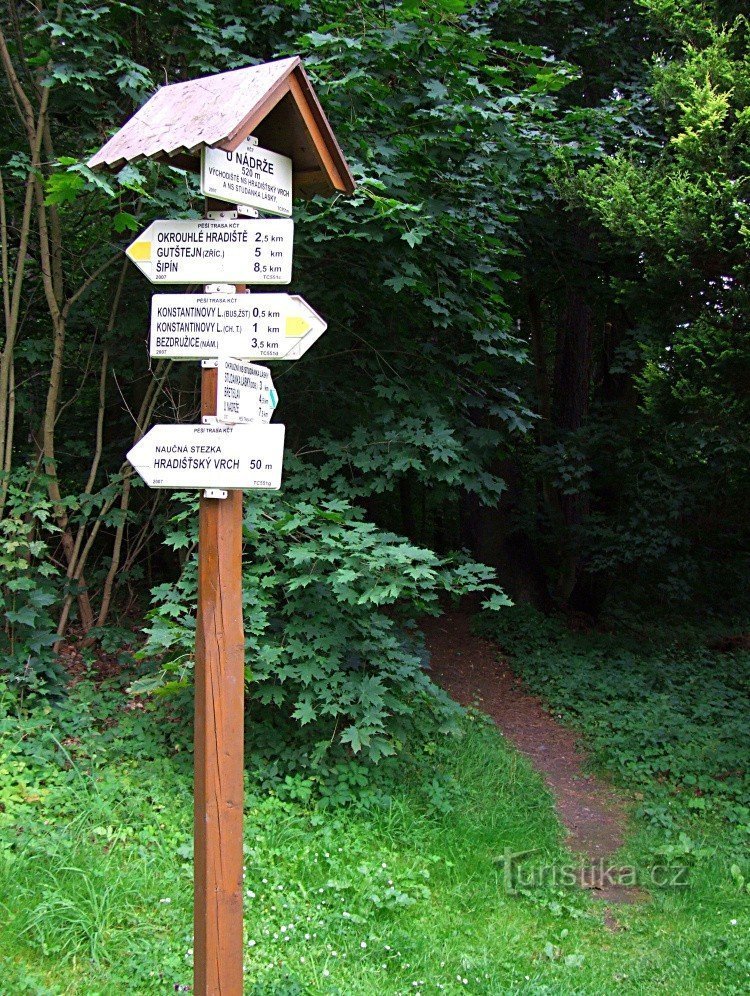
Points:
(534, 382)
(533, 388)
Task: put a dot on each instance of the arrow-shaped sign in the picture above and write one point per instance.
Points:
(241, 251)
(244, 392)
(211, 456)
(248, 326)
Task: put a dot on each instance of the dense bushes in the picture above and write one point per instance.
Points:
(333, 656)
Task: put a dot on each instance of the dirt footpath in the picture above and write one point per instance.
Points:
(473, 672)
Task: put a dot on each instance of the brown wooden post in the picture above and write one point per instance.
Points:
(275, 100)
(219, 738)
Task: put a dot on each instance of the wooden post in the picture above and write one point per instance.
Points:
(219, 739)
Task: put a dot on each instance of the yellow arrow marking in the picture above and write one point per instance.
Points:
(139, 250)
(296, 327)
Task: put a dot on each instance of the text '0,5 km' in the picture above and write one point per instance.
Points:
(242, 251)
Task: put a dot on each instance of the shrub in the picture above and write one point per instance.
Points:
(336, 664)
(29, 585)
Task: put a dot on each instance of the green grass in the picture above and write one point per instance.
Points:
(406, 896)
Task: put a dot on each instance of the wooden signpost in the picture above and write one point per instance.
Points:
(219, 739)
(265, 139)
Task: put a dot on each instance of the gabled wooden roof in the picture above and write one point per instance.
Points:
(273, 101)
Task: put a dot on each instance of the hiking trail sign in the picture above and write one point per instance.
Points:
(266, 120)
(210, 456)
(244, 393)
(249, 327)
(250, 175)
(257, 251)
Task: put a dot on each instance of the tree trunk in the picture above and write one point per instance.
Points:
(571, 394)
(496, 539)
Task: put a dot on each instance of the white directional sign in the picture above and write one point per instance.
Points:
(244, 393)
(244, 251)
(248, 326)
(249, 175)
(211, 456)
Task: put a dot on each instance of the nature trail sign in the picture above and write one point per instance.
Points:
(201, 251)
(250, 327)
(222, 118)
(210, 456)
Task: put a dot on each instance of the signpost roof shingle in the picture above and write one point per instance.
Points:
(273, 101)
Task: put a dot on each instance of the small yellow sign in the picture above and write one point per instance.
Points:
(139, 250)
(296, 327)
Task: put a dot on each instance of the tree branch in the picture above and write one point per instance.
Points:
(87, 283)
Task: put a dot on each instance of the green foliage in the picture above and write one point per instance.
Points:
(504, 153)
(662, 712)
(438, 119)
(29, 585)
(433, 117)
(690, 200)
(328, 602)
(662, 430)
